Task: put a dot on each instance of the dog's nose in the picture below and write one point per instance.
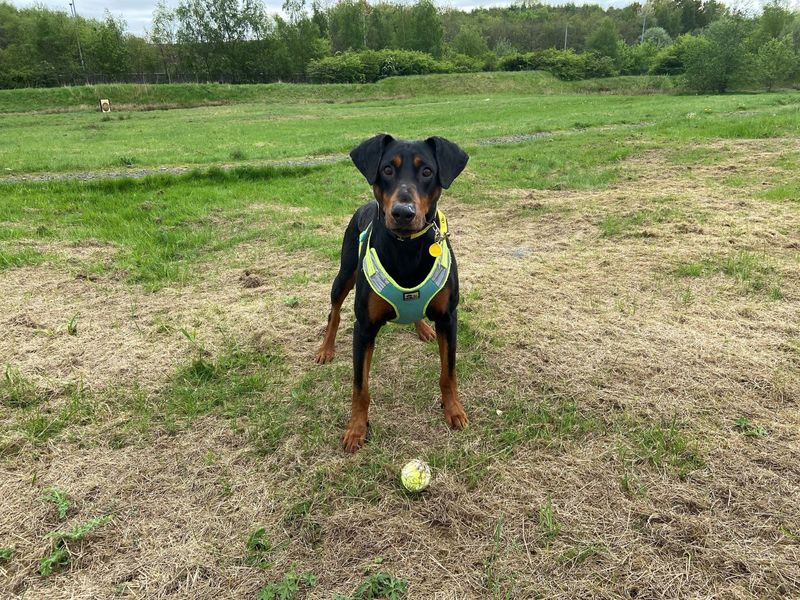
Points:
(402, 212)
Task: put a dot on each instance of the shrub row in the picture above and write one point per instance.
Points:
(371, 65)
(564, 64)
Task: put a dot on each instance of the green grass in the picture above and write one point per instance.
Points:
(661, 445)
(549, 527)
(17, 391)
(751, 270)
(468, 108)
(23, 257)
(630, 223)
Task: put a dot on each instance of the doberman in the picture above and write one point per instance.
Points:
(396, 253)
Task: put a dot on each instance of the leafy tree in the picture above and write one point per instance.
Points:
(470, 42)
(162, 36)
(105, 50)
(604, 39)
(667, 15)
(425, 27)
(717, 59)
(347, 22)
(657, 36)
(776, 62)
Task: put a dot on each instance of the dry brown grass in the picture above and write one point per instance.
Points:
(557, 305)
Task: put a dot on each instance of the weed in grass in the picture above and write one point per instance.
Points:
(59, 499)
(42, 424)
(6, 552)
(16, 391)
(289, 588)
(258, 549)
(548, 526)
(291, 301)
(237, 154)
(750, 429)
(379, 585)
(72, 325)
(59, 555)
(125, 161)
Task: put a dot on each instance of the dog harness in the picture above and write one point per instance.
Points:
(409, 304)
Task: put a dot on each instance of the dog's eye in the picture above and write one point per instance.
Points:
(387, 170)
(426, 172)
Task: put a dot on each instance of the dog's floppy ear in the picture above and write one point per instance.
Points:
(367, 156)
(450, 159)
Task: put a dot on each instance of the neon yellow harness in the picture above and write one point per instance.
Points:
(409, 304)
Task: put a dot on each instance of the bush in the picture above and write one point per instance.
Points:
(636, 60)
(369, 66)
(775, 63)
(564, 64)
(717, 60)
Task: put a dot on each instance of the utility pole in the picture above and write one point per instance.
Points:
(78, 39)
(566, 33)
(644, 22)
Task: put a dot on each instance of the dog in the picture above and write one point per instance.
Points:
(397, 255)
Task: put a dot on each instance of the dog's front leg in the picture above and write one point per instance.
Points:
(363, 344)
(446, 329)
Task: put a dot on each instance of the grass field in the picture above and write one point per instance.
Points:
(629, 349)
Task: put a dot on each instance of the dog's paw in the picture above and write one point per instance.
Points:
(455, 416)
(424, 331)
(324, 355)
(354, 436)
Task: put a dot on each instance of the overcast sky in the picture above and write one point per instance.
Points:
(137, 13)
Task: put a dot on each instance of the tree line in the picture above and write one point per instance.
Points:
(238, 41)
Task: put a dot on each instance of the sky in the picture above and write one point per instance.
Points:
(137, 13)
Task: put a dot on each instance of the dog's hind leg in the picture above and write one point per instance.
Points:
(344, 282)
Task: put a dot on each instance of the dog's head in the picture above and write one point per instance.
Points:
(407, 178)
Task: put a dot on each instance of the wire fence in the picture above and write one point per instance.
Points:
(57, 79)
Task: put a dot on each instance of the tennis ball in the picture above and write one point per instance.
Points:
(416, 475)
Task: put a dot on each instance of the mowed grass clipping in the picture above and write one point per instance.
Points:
(628, 353)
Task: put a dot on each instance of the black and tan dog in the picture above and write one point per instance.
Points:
(396, 253)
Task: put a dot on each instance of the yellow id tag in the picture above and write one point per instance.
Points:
(435, 249)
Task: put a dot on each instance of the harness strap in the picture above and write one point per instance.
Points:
(409, 304)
